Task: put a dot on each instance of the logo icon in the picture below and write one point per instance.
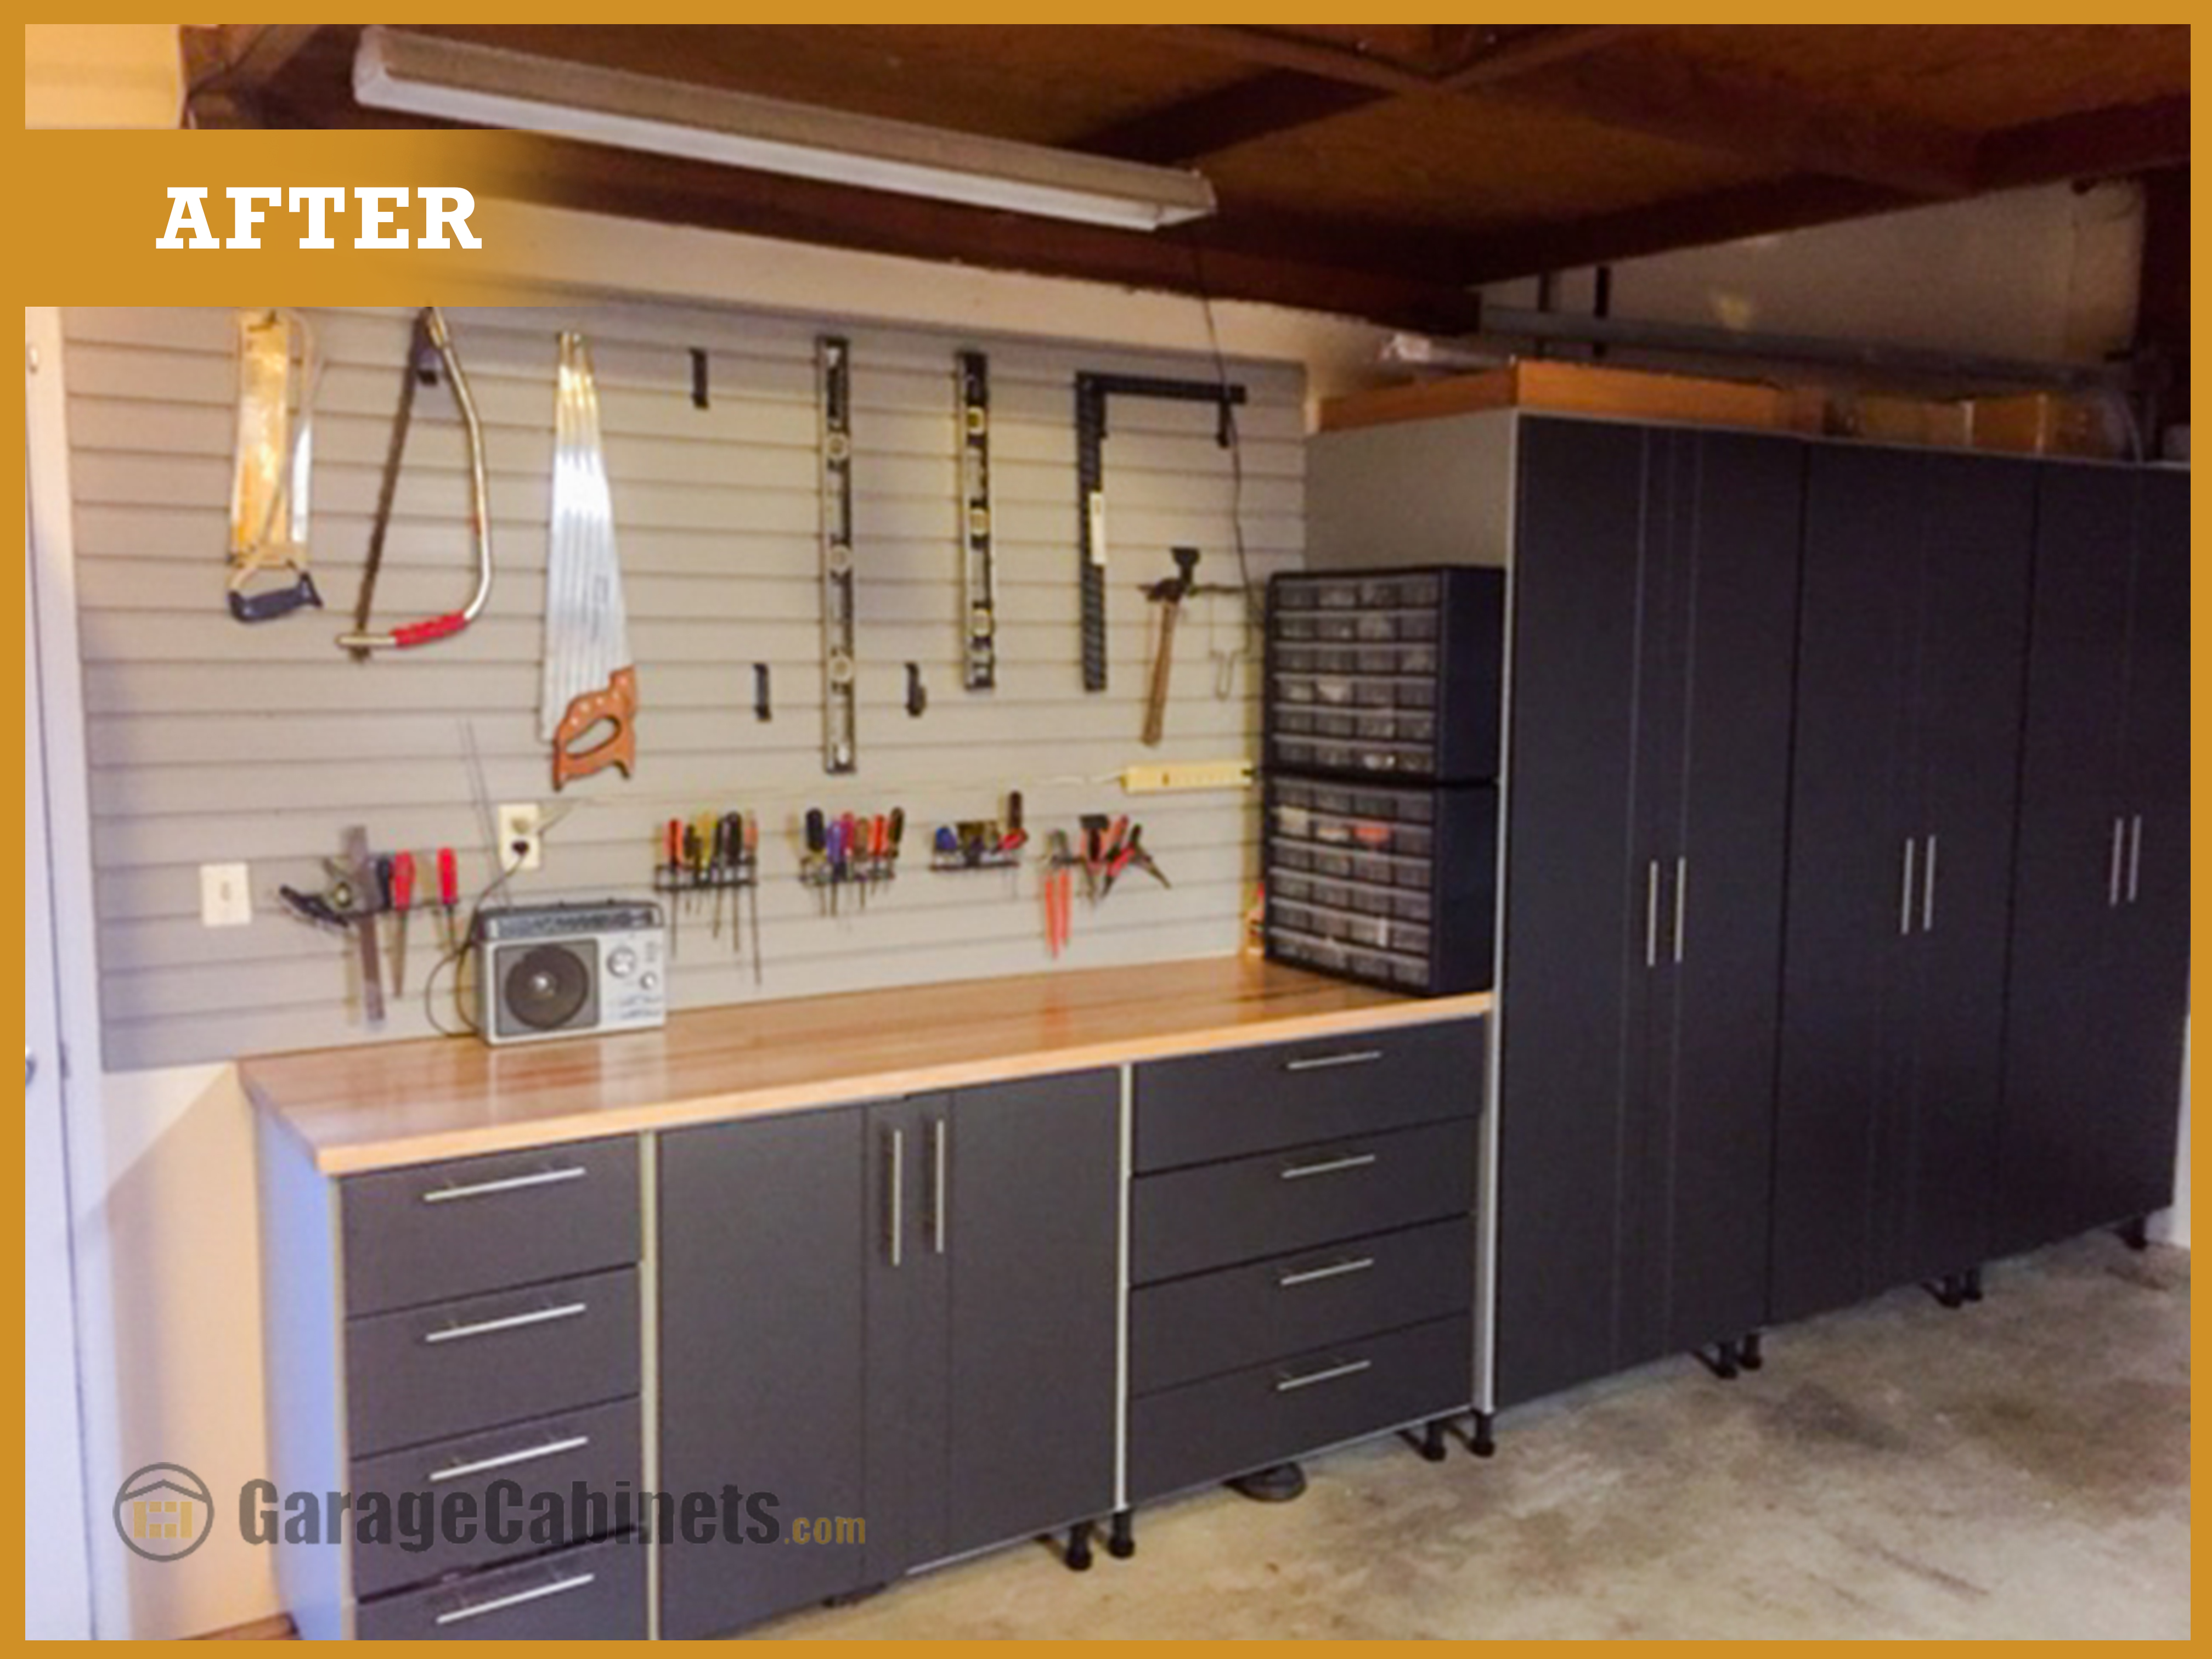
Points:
(164, 1512)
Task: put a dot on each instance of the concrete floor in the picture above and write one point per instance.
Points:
(2019, 1469)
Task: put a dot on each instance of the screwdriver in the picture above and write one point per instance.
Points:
(752, 862)
(400, 899)
(817, 849)
(449, 895)
(1016, 837)
(674, 848)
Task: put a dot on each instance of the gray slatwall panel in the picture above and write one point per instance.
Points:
(212, 742)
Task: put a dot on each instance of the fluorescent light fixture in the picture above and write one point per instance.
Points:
(488, 86)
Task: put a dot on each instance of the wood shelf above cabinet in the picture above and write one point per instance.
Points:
(385, 1105)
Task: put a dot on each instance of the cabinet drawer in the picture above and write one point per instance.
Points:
(595, 1447)
(431, 1373)
(1242, 1316)
(1248, 1419)
(1190, 1220)
(1248, 1100)
(595, 1594)
(439, 1231)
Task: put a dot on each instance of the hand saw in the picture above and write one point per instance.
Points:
(590, 680)
(276, 385)
(430, 337)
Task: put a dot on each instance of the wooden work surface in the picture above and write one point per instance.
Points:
(383, 1105)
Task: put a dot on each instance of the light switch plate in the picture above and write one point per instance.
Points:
(225, 896)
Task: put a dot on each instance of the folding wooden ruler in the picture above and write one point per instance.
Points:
(1092, 393)
(839, 711)
(979, 660)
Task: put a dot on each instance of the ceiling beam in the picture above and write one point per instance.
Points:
(1669, 96)
(1282, 98)
(1213, 258)
(1272, 101)
(229, 66)
(1287, 52)
(2094, 144)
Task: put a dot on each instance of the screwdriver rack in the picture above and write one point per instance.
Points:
(853, 851)
(980, 844)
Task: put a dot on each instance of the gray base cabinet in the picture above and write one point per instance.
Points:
(1302, 1249)
(902, 1313)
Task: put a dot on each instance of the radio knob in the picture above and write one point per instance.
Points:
(622, 963)
(651, 981)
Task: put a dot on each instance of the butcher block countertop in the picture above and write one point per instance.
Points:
(383, 1105)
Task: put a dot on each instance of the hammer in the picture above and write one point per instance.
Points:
(1168, 594)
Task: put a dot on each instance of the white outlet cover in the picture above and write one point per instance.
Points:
(520, 821)
(225, 896)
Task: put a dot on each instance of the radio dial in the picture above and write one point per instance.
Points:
(623, 963)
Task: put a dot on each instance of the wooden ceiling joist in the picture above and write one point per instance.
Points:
(2102, 143)
(229, 66)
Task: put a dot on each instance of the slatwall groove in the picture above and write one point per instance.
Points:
(212, 742)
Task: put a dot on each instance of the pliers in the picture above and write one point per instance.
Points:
(1130, 852)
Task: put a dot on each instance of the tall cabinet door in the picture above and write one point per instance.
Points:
(1028, 1179)
(2154, 916)
(1975, 547)
(909, 1366)
(1739, 525)
(1580, 911)
(761, 1355)
(1852, 884)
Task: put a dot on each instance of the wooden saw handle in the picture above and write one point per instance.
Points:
(615, 706)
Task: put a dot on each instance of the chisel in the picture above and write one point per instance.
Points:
(400, 901)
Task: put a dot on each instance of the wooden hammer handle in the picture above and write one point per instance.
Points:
(617, 706)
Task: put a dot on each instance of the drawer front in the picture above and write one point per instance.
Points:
(596, 1447)
(431, 1373)
(1248, 1419)
(1242, 1317)
(1191, 1220)
(439, 1230)
(1250, 1100)
(595, 1594)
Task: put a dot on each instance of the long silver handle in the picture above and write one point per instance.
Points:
(1323, 1062)
(1328, 1374)
(2119, 860)
(500, 1603)
(1328, 1166)
(511, 1184)
(1314, 1276)
(1651, 914)
(898, 1199)
(2135, 857)
(1681, 902)
(940, 1191)
(1905, 899)
(511, 1322)
(508, 1460)
(1928, 891)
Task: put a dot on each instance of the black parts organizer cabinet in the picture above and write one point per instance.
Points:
(1382, 720)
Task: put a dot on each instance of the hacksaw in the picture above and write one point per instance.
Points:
(590, 685)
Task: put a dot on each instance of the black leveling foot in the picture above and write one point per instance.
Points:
(1279, 1485)
(1484, 1442)
(2136, 1234)
(1950, 1291)
(1078, 1547)
(1432, 1442)
(1969, 1283)
(1122, 1542)
(1751, 1352)
(853, 1598)
(1725, 1361)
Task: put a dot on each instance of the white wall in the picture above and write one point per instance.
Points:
(2044, 273)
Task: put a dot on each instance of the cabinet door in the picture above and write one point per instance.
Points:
(1712, 1107)
(1843, 1067)
(1975, 546)
(1578, 902)
(2152, 983)
(761, 1355)
(2056, 1159)
(1027, 1182)
(908, 1280)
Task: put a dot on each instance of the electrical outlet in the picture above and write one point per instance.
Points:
(1188, 774)
(225, 896)
(521, 837)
